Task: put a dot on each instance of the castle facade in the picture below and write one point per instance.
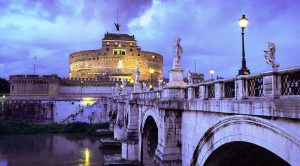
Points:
(119, 57)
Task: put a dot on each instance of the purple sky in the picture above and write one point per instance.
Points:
(53, 29)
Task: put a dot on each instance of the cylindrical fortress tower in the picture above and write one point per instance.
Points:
(118, 57)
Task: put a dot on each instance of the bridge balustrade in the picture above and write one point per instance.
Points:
(290, 83)
(211, 91)
(255, 86)
(229, 89)
(268, 84)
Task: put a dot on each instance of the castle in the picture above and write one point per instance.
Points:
(93, 73)
(118, 57)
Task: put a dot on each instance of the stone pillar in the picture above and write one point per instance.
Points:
(241, 87)
(272, 84)
(119, 130)
(168, 151)
(203, 92)
(130, 146)
(219, 89)
(191, 92)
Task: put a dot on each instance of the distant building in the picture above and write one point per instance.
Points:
(118, 57)
(93, 73)
(54, 87)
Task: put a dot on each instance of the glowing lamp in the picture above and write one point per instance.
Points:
(243, 22)
(151, 70)
(211, 71)
(131, 81)
(120, 64)
(88, 101)
(150, 86)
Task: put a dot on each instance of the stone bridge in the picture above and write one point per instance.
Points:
(246, 120)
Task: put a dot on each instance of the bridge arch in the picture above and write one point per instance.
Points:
(247, 129)
(149, 140)
(152, 112)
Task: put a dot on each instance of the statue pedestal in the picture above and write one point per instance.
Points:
(176, 78)
(137, 87)
(175, 88)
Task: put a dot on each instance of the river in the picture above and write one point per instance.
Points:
(50, 150)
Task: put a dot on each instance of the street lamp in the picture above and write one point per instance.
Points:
(151, 72)
(81, 85)
(212, 72)
(243, 22)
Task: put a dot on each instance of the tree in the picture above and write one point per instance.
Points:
(4, 86)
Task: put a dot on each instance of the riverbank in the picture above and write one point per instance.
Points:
(9, 127)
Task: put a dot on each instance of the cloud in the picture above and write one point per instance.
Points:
(210, 34)
(53, 29)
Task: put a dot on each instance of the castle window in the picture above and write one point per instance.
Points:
(120, 45)
(116, 43)
(131, 44)
(107, 43)
(153, 56)
(119, 52)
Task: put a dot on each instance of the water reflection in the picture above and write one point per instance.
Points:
(49, 149)
(87, 157)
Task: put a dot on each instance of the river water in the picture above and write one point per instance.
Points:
(50, 150)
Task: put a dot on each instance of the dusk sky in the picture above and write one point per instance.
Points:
(52, 29)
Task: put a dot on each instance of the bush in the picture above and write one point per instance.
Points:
(9, 127)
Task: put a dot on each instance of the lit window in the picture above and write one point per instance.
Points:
(119, 52)
(131, 44)
(116, 43)
(115, 52)
(107, 43)
(120, 45)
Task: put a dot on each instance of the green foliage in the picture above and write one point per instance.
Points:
(9, 127)
(4, 86)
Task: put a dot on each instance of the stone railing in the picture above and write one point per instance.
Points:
(147, 95)
(265, 85)
(269, 84)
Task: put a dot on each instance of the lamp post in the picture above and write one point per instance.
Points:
(81, 85)
(212, 72)
(243, 22)
(151, 72)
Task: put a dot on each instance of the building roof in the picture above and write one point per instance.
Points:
(114, 36)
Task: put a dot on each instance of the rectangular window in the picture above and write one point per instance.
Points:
(119, 51)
